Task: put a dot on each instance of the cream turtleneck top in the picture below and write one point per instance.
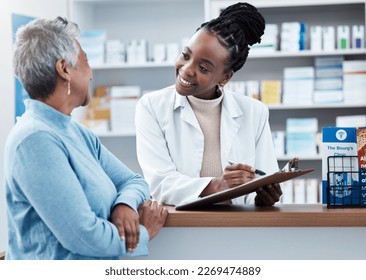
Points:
(208, 114)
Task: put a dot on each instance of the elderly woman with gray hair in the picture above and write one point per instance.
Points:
(68, 197)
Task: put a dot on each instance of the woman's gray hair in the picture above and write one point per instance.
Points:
(38, 45)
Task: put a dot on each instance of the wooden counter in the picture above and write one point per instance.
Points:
(232, 232)
(291, 215)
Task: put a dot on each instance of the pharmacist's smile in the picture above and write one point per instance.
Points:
(185, 87)
(185, 82)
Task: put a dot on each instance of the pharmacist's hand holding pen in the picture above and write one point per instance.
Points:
(234, 174)
(238, 173)
(267, 195)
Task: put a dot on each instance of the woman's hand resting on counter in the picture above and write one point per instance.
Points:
(150, 214)
(152, 217)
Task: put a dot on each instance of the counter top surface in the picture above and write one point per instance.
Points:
(282, 215)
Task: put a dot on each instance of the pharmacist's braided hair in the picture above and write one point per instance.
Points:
(238, 27)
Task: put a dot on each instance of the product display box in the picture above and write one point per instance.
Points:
(340, 167)
(361, 151)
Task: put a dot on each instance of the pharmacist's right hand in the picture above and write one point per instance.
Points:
(237, 174)
(234, 175)
(152, 216)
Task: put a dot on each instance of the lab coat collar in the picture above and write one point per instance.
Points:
(230, 111)
(180, 100)
(187, 113)
(229, 104)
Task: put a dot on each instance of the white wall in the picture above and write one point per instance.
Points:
(36, 8)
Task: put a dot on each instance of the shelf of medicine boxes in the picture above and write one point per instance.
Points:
(315, 106)
(270, 107)
(109, 134)
(111, 66)
(302, 158)
(276, 54)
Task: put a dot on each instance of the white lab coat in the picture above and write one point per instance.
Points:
(170, 143)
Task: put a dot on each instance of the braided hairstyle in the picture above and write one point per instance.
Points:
(238, 27)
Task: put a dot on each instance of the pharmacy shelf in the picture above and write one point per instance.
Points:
(306, 53)
(316, 106)
(270, 107)
(212, 7)
(116, 66)
(104, 2)
(113, 134)
(286, 3)
(302, 158)
(253, 55)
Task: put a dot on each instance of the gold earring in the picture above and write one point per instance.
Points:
(68, 88)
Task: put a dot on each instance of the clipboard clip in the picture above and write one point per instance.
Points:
(292, 165)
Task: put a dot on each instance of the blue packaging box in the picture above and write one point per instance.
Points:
(340, 166)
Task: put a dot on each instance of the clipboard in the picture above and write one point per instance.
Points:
(289, 172)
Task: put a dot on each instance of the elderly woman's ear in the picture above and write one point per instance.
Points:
(62, 69)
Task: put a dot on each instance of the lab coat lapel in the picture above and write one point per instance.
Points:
(194, 137)
(187, 115)
(229, 126)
